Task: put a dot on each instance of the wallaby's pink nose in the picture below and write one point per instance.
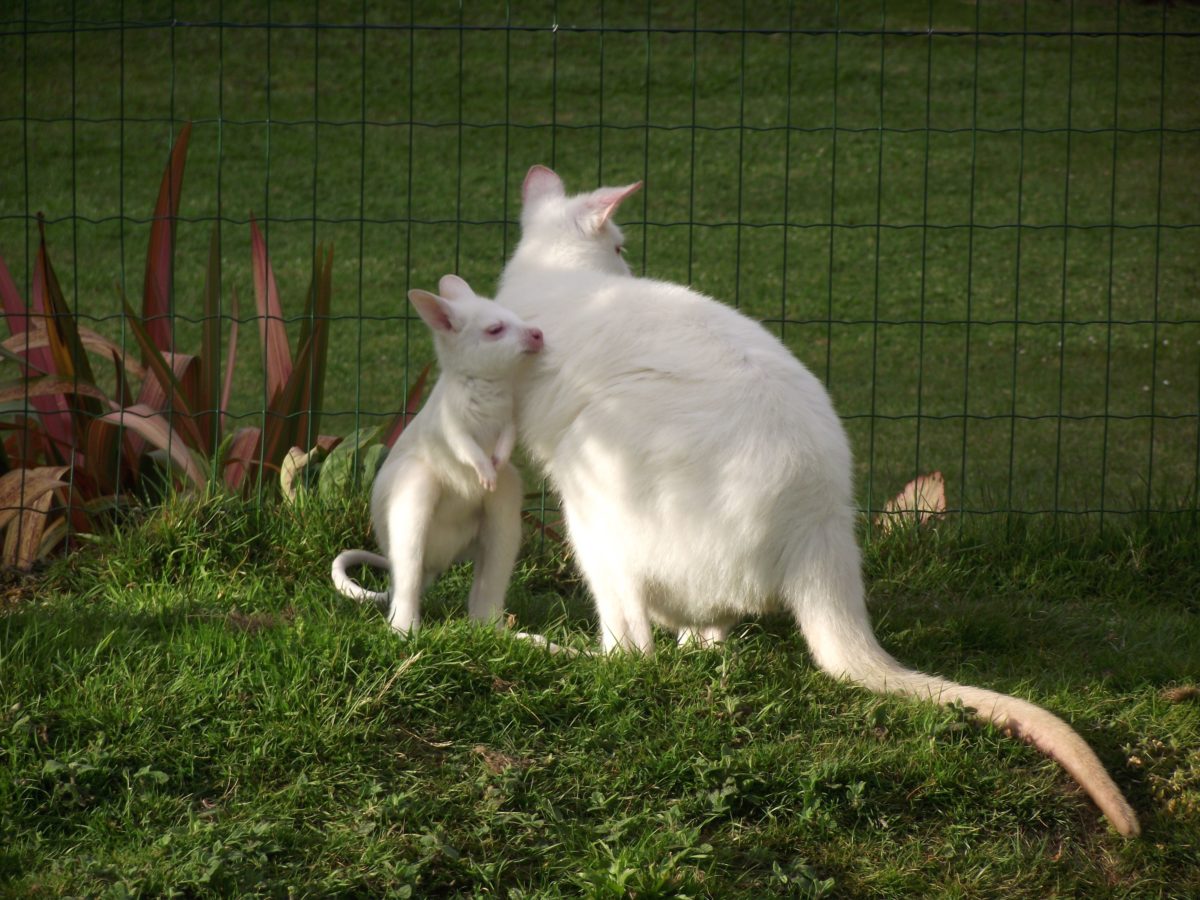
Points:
(534, 339)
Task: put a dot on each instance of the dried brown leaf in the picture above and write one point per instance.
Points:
(923, 500)
(496, 762)
(1181, 693)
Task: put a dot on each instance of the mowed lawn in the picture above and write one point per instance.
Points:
(187, 709)
(977, 222)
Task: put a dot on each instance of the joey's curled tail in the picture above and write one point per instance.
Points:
(347, 586)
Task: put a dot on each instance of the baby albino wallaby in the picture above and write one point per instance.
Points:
(446, 491)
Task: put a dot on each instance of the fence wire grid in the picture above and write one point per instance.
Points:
(976, 222)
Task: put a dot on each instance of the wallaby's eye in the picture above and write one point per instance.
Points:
(620, 249)
(495, 330)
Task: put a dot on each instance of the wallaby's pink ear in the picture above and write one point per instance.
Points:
(541, 182)
(433, 309)
(603, 202)
(454, 288)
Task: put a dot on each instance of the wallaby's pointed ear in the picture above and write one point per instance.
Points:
(454, 288)
(541, 182)
(603, 202)
(433, 309)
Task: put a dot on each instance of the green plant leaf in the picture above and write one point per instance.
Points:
(277, 354)
(156, 293)
(121, 379)
(10, 298)
(37, 337)
(314, 326)
(101, 457)
(62, 328)
(53, 534)
(344, 465)
(286, 409)
(20, 319)
(154, 427)
(188, 376)
(282, 414)
(372, 461)
(82, 399)
(25, 365)
(336, 476)
(32, 446)
(210, 346)
(230, 357)
(165, 374)
(241, 458)
(107, 448)
(54, 412)
(412, 405)
(47, 385)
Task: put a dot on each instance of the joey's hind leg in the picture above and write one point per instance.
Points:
(497, 547)
(619, 594)
(706, 636)
(409, 513)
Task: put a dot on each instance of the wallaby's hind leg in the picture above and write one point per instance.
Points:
(409, 512)
(619, 595)
(498, 544)
(706, 636)
(624, 624)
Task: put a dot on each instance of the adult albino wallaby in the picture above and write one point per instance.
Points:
(446, 491)
(703, 472)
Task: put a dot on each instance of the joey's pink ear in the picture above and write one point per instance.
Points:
(433, 309)
(541, 182)
(603, 202)
(454, 288)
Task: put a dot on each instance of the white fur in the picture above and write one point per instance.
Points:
(446, 491)
(703, 471)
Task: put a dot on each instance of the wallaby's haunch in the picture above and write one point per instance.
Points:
(446, 491)
(703, 472)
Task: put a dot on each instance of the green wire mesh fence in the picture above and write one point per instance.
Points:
(978, 223)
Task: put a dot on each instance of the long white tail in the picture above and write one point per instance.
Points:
(828, 601)
(347, 586)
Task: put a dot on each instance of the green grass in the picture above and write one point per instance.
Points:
(187, 708)
(1039, 367)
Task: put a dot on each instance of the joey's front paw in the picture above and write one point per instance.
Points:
(487, 478)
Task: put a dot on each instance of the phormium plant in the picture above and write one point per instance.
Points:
(72, 452)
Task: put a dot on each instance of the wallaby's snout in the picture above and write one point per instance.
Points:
(533, 340)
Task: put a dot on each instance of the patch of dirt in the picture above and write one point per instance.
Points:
(252, 623)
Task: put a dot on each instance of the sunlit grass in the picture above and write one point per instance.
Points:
(188, 707)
